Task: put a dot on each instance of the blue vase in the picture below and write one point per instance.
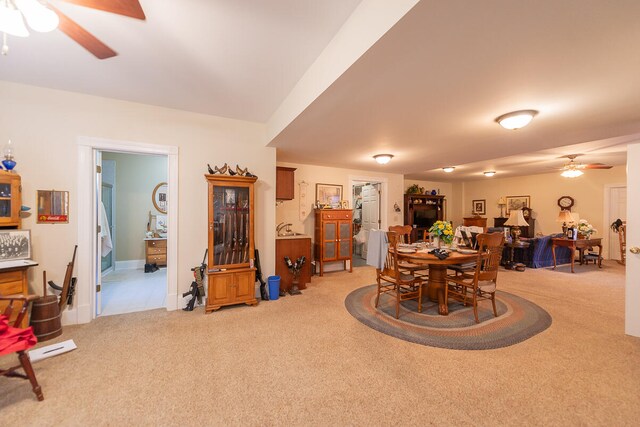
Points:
(9, 164)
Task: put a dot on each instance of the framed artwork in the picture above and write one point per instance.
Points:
(344, 204)
(517, 202)
(15, 244)
(159, 197)
(479, 207)
(329, 194)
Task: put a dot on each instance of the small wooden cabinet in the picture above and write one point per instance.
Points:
(285, 183)
(155, 251)
(231, 272)
(333, 237)
(476, 221)
(294, 248)
(10, 199)
(421, 211)
(13, 280)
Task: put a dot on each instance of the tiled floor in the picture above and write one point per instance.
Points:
(126, 291)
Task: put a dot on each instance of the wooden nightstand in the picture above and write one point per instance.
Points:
(155, 251)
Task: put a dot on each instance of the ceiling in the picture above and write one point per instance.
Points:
(428, 91)
(229, 58)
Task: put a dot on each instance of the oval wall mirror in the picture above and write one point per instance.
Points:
(159, 197)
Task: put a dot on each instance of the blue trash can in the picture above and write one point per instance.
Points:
(274, 287)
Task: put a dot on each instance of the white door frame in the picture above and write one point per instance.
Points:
(87, 221)
(632, 289)
(356, 179)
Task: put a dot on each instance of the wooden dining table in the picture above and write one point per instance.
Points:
(437, 272)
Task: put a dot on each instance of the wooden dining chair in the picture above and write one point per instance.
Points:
(18, 340)
(404, 236)
(393, 281)
(481, 283)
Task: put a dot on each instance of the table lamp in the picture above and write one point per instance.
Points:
(502, 203)
(515, 221)
(565, 218)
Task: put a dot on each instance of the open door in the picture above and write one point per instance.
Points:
(370, 210)
(98, 211)
(632, 294)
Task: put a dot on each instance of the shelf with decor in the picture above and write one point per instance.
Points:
(421, 211)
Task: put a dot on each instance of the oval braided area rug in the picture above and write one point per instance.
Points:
(518, 320)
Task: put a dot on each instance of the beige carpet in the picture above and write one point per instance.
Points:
(303, 360)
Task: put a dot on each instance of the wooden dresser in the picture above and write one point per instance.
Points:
(155, 251)
(333, 237)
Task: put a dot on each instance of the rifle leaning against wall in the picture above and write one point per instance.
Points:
(197, 286)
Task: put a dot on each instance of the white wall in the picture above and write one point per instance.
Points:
(45, 125)
(288, 211)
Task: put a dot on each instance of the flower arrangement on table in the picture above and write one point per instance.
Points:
(585, 228)
(443, 231)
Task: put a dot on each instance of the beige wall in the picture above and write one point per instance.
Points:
(288, 211)
(136, 177)
(45, 125)
(588, 192)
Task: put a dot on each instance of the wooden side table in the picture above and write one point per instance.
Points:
(578, 244)
(520, 244)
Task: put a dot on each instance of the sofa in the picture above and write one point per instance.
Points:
(539, 253)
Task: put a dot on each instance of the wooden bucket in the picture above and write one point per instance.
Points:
(45, 318)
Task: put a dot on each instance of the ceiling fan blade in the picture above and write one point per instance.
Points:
(129, 8)
(83, 37)
(597, 166)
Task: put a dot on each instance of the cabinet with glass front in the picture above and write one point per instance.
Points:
(10, 199)
(231, 274)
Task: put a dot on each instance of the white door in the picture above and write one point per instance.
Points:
(370, 210)
(632, 294)
(98, 211)
(617, 209)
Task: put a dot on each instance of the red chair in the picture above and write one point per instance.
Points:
(18, 340)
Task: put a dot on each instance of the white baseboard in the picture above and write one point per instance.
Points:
(131, 264)
(76, 315)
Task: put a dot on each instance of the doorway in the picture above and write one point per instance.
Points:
(129, 282)
(89, 265)
(617, 208)
(367, 214)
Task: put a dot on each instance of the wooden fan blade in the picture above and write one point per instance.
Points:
(597, 166)
(83, 37)
(129, 8)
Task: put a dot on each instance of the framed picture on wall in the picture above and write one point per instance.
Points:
(517, 202)
(15, 244)
(479, 207)
(329, 194)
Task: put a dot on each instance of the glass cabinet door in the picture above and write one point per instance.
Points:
(5, 200)
(231, 225)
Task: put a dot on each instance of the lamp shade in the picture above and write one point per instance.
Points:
(502, 201)
(516, 219)
(564, 216)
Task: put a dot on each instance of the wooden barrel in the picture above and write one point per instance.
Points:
(45, 318)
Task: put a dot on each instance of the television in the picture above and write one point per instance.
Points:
(424, 217)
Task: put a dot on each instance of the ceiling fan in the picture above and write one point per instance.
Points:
(35, 12)
(573, 169)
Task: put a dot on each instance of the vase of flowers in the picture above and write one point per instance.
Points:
(442, 232)
(585, 230)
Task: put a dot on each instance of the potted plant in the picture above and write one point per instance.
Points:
(442, 231)
(415, 189)
(585, 230)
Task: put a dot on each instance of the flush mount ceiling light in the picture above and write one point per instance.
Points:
(448, 169)
(383, 159)
(489, 173)
(517, 119)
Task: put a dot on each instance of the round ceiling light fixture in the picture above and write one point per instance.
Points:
(516, 119)
(571, 173)
(489, 173)
(383, 159)
(448, 169)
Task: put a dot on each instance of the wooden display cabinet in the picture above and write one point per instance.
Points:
(231, 273)
(285, 183)
(10, 199)
(333, 237)
(421, 211)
